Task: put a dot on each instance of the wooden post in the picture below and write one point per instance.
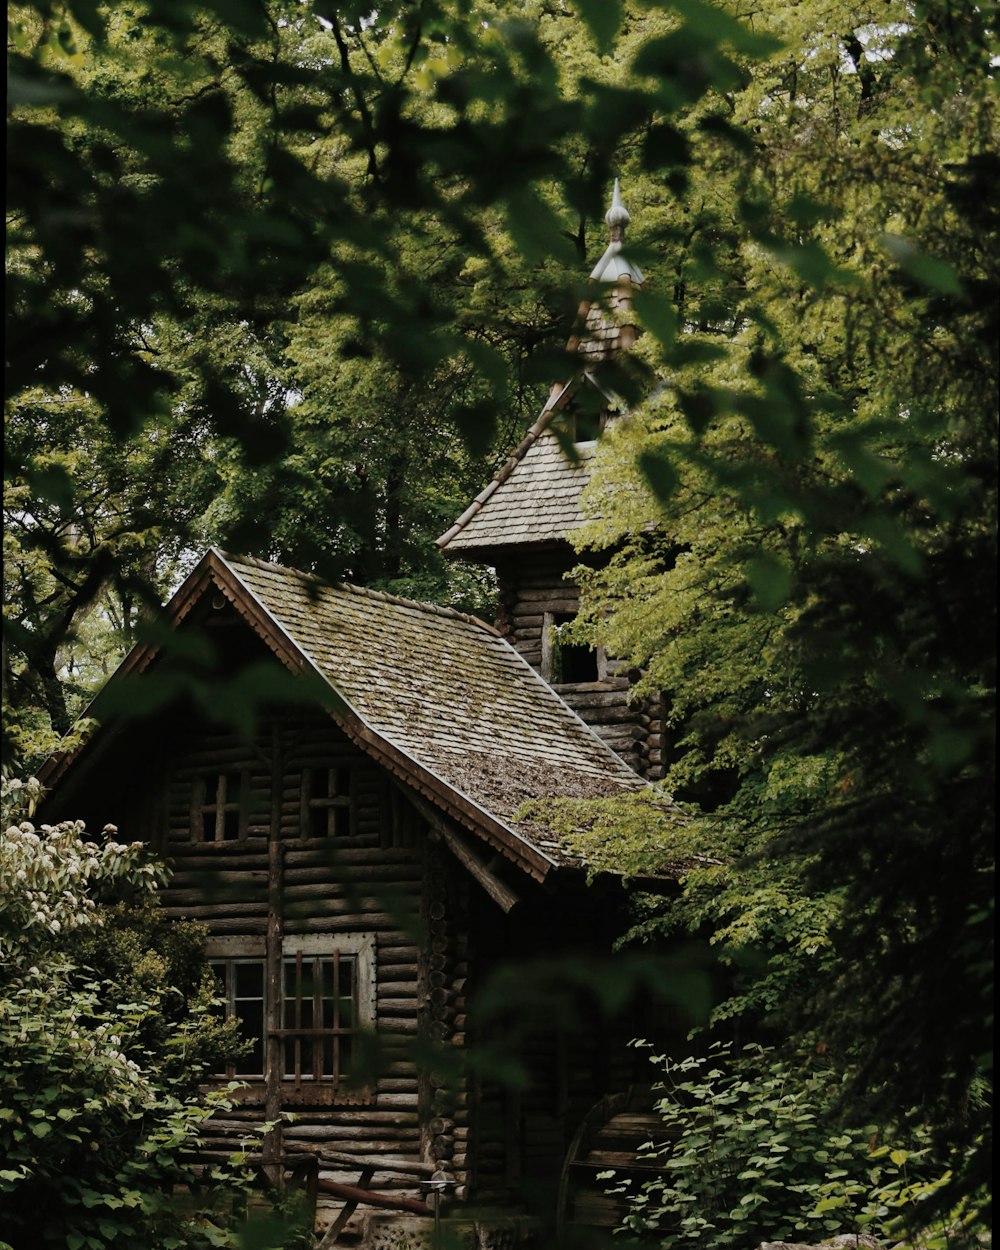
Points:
(499, 892)
(274, 1058)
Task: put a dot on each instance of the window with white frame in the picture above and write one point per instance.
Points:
(239, 984)
(326, 999)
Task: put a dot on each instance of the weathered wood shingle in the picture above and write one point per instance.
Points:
(535, 497)
(445, 690)
(538, 501)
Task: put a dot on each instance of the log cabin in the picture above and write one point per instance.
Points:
(360, 860)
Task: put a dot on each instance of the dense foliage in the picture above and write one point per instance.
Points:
(106, 1026)
(287, 277)
(795, 531)
(753, 1149)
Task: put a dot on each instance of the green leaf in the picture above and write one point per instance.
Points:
(829, 1204)
(658, 315)
(810, 262)
(770, 579)
(948, 749)
(895, 541)
(660, 473)
(53, 482)
(713, 23)
(930, 272)
(603, 19)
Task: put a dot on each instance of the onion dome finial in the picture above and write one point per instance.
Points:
(617, 215)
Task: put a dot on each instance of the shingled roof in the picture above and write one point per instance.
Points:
(535, 498)
(438, 697)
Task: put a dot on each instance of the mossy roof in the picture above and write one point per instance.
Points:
(445, 691)
(438, 698)
(535, 497)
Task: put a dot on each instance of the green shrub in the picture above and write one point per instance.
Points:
(752, 1150)
(106, 1028)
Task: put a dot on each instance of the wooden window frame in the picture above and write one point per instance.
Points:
(219, 801)
(597, 425)
(552, 621)
(332, 802)
(300, 1089)
(230, 962)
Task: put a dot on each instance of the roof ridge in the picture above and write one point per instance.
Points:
(385, 596)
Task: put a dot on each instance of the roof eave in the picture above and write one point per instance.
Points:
(501, 836)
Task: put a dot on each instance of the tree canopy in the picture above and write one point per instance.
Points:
(293, 278)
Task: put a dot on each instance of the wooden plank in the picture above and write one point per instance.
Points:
(384, 1163)
(388, 1202)
(501, 894)
(348, 1209)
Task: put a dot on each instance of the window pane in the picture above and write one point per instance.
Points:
(307, 981)
(318, 995)
(342, 781)
(249, 979)
(341, 821)
(219, 969)
(251, 1014)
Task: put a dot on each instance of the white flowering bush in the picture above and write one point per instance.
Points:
(92, 1142)
(106, 1026)
(53, 878)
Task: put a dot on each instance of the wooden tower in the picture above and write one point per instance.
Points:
(522, 522)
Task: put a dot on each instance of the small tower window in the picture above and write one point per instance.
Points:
(566, 663)
(584, 418)
(328, 801)
(587, 424)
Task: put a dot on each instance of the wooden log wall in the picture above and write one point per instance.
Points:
(381, 878)
(521, 1136)
(540, 585)
(572, 1053)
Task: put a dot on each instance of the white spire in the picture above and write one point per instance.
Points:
(617, 215)
(613, 266)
